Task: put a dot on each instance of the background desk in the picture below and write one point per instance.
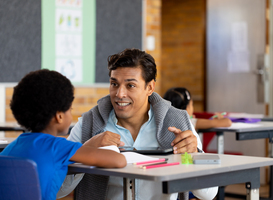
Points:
(260, 132)
(267, 119)
(5, 126)
(2, 146)
(263, 131)
(180, 178)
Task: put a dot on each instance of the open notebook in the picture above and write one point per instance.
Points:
(131, 157)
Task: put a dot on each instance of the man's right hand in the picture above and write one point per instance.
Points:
(106, 138)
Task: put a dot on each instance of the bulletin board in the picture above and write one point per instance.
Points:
(20, 38)
(56, 35)
(118, 26)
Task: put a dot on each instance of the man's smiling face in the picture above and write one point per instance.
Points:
(129, 92)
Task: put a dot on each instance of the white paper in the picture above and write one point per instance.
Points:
(238, 61)
(71, 68)
(71, 4)
(68, 39)
(3, 141)
(245, 115)
(68, 20)
(111, 147)
(239, 36)
(68, 45)
(239, 125)
(238, 57)
(133, 157)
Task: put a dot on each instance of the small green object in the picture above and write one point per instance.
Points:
(186, 158)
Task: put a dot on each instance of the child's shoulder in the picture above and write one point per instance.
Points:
(43, 139)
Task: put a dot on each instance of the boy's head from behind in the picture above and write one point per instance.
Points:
(180, 98)
(39, 96)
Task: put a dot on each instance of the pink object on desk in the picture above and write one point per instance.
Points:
(151, 161)
(162, 165)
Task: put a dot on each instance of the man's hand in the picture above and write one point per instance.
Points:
(105, 139)
(185, 141)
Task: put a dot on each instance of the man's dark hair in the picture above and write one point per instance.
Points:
(39, 96)
(134, 58)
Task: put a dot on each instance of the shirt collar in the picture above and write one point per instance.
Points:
(115, 120)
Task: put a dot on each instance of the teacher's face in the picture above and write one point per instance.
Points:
(129, 93)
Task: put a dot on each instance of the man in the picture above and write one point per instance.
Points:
(132, 115)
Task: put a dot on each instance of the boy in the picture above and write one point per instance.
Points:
(41, 102)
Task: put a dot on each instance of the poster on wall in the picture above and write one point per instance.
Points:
(238, 57)
(68, 38)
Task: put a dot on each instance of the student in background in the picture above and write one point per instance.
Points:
(181, 98)
(41, 102)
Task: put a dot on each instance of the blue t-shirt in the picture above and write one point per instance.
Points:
(51, 155)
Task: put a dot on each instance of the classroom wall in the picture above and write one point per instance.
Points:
(152, 21)
(183, 44)
(178, 29)
(86, 97)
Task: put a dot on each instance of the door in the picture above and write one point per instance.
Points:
(235, 48)
(236, 37)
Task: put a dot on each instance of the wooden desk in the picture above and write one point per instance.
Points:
(181, 178)
(247, 133)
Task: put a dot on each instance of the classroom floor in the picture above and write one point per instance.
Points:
(238, 189)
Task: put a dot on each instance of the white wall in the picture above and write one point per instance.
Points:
(2, 107)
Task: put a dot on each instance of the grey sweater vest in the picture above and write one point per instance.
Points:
(94, 121)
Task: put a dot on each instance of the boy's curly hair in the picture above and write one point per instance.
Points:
(39, 96)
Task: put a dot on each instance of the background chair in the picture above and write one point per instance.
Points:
(18, 179)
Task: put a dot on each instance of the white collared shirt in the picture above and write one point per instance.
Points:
(145, 138)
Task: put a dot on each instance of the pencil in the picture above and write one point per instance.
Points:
(214, 116)
(153, 164)
(162, 165)
(151, 161)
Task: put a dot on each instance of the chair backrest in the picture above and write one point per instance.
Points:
(18, 179)
(203, 115)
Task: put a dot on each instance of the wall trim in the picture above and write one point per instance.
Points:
(2, 104)
(95, 85)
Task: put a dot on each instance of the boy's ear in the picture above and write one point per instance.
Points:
(59, 117)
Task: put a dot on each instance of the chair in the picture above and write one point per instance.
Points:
(18, 179)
